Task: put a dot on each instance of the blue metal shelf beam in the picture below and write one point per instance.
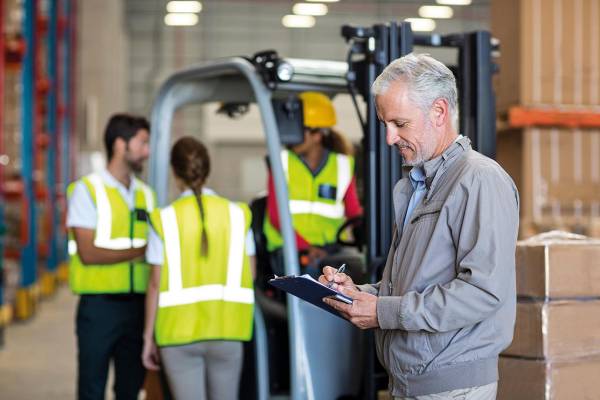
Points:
(51, 126)
(29, 249)
(66, 54)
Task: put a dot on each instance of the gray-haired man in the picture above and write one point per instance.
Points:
(445, 307)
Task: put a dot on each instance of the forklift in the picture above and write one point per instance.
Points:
(299, 351)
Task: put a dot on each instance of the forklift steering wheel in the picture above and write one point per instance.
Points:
(357, 224)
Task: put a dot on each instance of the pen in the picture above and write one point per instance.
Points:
(340, 269)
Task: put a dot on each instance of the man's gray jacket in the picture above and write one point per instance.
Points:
(446, 305)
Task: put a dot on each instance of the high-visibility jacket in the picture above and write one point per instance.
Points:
(117, 228)
(204, 297)
(316, 201)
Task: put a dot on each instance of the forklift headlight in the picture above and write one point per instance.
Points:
(285, 71)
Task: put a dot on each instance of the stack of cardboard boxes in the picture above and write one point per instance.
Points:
(555, 353)
(550, 61)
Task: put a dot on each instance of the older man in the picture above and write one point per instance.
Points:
(445, 307)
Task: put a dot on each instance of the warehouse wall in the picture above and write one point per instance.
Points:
(102, 79)
(235, 27)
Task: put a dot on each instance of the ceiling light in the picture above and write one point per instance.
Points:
(309, 9)
(435, 12)
(323, 1)
(454, 2)
(298, 21)
(421, 24)
(181, 19)
(184, 6)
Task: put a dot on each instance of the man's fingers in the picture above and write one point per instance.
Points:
(328, 272)
(350, 292)
(153, 367)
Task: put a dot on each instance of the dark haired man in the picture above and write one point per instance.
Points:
(107, 221)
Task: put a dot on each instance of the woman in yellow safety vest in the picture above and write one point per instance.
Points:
(200, 298)
(321, 185)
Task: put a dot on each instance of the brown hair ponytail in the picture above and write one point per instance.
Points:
(191, 164)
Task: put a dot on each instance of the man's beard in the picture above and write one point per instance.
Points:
(423, 153)
(136, 166)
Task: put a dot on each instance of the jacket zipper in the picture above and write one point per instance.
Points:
(415, 219)
(131, 284)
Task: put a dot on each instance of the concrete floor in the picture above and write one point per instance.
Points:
(38, 358)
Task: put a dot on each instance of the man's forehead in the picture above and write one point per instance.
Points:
(393, 100)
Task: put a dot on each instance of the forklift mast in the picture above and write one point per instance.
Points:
(371, 50)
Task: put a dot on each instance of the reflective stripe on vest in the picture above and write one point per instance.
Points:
(316, 207)
(232, 291)
(285, 156)
(148, 196)
(104, 225)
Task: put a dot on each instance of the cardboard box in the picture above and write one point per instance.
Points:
(557, 172)
(558, 269)
(538, 380)
(549, 52)
(556, 330)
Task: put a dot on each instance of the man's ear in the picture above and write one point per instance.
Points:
(119, 146)
(440, 112)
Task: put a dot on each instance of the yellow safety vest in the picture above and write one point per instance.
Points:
(208, 297)
(316, 202)
(117, 228)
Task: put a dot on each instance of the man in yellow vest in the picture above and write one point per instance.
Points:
(108, 226)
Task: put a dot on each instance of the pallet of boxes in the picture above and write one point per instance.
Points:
(555, 353)
(548, 103)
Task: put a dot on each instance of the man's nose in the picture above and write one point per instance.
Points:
(390, 136)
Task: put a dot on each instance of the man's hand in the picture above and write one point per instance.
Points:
(150, 357)
(339, 280)
(362, 312)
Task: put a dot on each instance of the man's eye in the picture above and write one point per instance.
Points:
(400, 124)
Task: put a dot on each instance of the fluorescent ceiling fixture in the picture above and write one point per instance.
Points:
(454, 2)
(181, 19)
(309, 9)
(421, 24)
(298, 21)
(435, 12)
(184, 6)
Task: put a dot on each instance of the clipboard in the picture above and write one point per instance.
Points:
(310, 290)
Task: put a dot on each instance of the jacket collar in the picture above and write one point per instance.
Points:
(436, 167)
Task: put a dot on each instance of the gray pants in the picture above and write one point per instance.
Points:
(206, 370)
(487, 392)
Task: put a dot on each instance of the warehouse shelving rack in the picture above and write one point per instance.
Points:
(3, 313)
(26, 297)
(12, 57)
(66, 111)
(46, 135)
